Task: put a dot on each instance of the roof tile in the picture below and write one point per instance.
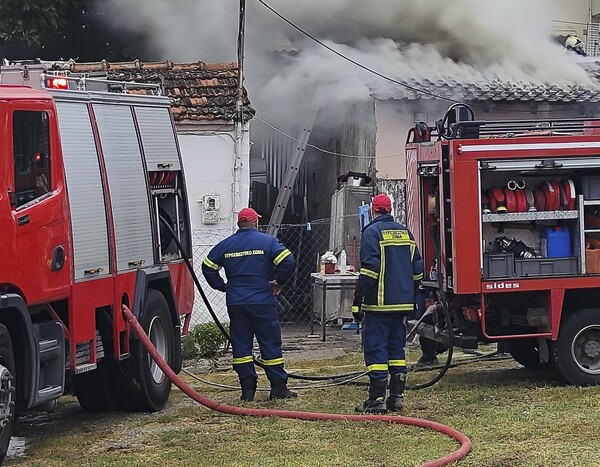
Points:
(480, 88)
(199, 91)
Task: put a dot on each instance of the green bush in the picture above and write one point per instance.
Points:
(204, 340)
(188, 348)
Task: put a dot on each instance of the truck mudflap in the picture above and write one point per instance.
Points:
(441, 335)
(43, 345)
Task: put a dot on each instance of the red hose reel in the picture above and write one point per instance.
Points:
(551, 195)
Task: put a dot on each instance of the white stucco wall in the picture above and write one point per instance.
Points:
(389, 140)
(208, 160)
(393, 120)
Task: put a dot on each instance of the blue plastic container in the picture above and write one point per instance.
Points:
(558, 242)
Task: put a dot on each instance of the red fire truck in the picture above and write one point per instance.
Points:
(90, 168)
(507, 216)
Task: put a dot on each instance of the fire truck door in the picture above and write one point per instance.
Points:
(38, 207)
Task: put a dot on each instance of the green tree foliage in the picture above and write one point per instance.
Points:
(63, 29)
(27, 21)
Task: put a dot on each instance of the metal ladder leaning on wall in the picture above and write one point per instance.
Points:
(285, 192)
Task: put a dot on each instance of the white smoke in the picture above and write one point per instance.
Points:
(410, 40)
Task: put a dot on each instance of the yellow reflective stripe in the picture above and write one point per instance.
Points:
(369, 273)
(398, 307)
(406, 241)
(281, 256)
(272, 362)
(417, 277)
(394, 234)
(377, 367)
(211, 265)
(412, 251)
(397, 242)
(397, 362)
(381, 284)
(242, 360)
(355, 309)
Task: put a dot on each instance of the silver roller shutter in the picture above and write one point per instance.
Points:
(84, 186)
(127, 185)
(158, 138)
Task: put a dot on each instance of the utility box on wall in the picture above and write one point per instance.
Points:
(211, 209)
(345, 231)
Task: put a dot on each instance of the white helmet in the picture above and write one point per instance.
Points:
(575, 44)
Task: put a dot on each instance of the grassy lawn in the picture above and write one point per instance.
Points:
(515, 417)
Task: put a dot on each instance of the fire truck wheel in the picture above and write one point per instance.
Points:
(7, 387)
(526, 352)
(149, 388)
(577, 353)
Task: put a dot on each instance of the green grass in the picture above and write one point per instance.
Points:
(514, 417)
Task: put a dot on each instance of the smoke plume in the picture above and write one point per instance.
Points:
(409, 40)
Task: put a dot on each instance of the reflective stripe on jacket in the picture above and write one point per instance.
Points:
(251, 259)
(390, 266)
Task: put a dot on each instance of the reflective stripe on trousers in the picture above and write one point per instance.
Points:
(384, 339)
(262, 321)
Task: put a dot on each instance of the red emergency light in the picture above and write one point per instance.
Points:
(57, 83)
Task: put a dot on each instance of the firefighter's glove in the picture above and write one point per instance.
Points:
(357, 313)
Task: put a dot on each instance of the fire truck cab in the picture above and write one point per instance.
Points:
(507, 217)
(90, 173)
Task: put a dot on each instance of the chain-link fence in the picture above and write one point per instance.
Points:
(203, 242)
(306, 241)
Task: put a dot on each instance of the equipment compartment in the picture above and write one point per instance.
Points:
(536, 229)
(591, 187)
(530, 267)
(498, 265)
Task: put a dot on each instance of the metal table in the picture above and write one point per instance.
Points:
(328, 283)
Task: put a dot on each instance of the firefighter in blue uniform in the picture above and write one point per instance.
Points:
(391, 269)
(256, 266)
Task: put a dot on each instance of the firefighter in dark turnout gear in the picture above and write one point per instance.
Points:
(391, 269)
(256, 266)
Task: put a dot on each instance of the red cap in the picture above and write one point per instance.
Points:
(248, 215)
(381, 203)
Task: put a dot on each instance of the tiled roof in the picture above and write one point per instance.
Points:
(199, 91)
(481, 88)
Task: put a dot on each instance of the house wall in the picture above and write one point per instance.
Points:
(352, 142)
(208, 158)
(271, 153)
(571, 17)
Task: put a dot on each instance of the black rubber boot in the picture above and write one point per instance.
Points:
(279, 390)
(248, 389)
(375, 404)
(395, 400)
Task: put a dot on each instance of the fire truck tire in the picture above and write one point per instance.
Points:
(7, 360)
(526, 353)
(146, 388)
(577, 355)
(93, 390)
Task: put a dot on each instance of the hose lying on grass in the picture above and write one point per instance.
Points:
(465, 443)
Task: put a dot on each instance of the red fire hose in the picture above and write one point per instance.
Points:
(455, 456)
